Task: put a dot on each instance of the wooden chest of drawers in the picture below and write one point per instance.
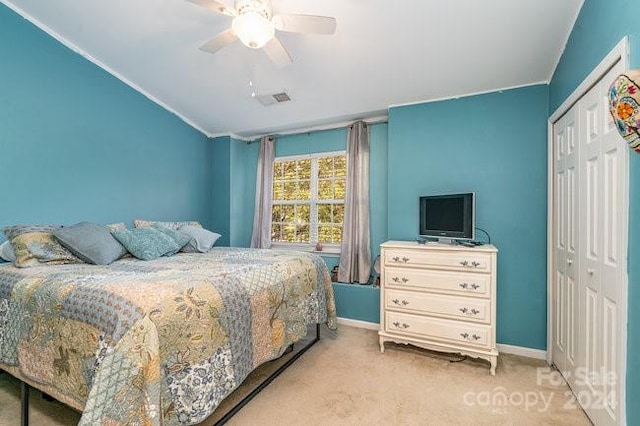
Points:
(439, 297)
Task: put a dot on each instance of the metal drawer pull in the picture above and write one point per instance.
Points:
(466, 336)
(397, 302)
(467, 285)
(464, 310)
(397, 325)
(475, 311)
(464, 262)
(404, 302)
(395, 279)
(475, 264)
(405, 259)
(396, 259)
(470, 311)
(404, 280)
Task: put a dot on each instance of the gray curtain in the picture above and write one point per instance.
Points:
(261, 237)
(355, 251)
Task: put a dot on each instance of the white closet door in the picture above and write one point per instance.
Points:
(565, 306)
(613, 302)
(571, 252)
(558, 293)
(602, 205)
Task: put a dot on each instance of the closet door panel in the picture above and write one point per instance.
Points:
(610, 357)
(615, 158)
(558, 290)
(591, 244)
(571, 252)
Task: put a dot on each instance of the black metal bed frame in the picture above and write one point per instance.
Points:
(24, 387)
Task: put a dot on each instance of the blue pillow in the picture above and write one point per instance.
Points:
(146, 243)
(180, 238)
(91, 242)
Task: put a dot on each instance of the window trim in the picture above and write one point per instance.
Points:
(328, 249)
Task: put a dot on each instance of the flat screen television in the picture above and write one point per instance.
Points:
(448, 217)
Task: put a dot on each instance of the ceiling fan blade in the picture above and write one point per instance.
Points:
(305, 24)
(216, 6)
(219, 41)
(277, 53)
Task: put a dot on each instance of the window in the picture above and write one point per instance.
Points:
(308, 199)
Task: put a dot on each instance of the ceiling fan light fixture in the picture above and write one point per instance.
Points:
(253, 29)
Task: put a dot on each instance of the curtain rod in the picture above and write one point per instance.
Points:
(333, 126)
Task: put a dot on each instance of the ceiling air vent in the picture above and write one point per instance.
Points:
(275, 98)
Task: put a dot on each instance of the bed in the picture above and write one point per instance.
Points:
(157, 342)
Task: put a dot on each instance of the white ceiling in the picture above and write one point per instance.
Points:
(383, 53)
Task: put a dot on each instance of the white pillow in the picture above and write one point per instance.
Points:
(6, 252)
(201, 241)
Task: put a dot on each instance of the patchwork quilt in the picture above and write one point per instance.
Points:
(158, 342)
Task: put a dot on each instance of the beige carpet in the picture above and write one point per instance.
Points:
(345, 380)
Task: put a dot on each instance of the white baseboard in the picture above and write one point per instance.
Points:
(359, 324)
(522, 351)
(507, 349)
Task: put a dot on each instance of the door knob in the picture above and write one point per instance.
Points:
(591, 271)
(569, 261)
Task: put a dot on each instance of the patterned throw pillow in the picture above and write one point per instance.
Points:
(146, 243)
(180, 238)
(35, 244)
(171, 225)
(116, 226)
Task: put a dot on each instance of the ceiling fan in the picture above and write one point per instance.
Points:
(255, 25)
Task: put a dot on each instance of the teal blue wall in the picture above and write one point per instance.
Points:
(77, 144)
(313, 142)
(358, 302)
(220, 160)
(355, 301)
(495, 146)
(233, 190)
(600, 26)
(244, 160)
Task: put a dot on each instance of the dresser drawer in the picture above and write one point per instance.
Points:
(467, 308)
(462, 261)
(462, 283)
(475, 335)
